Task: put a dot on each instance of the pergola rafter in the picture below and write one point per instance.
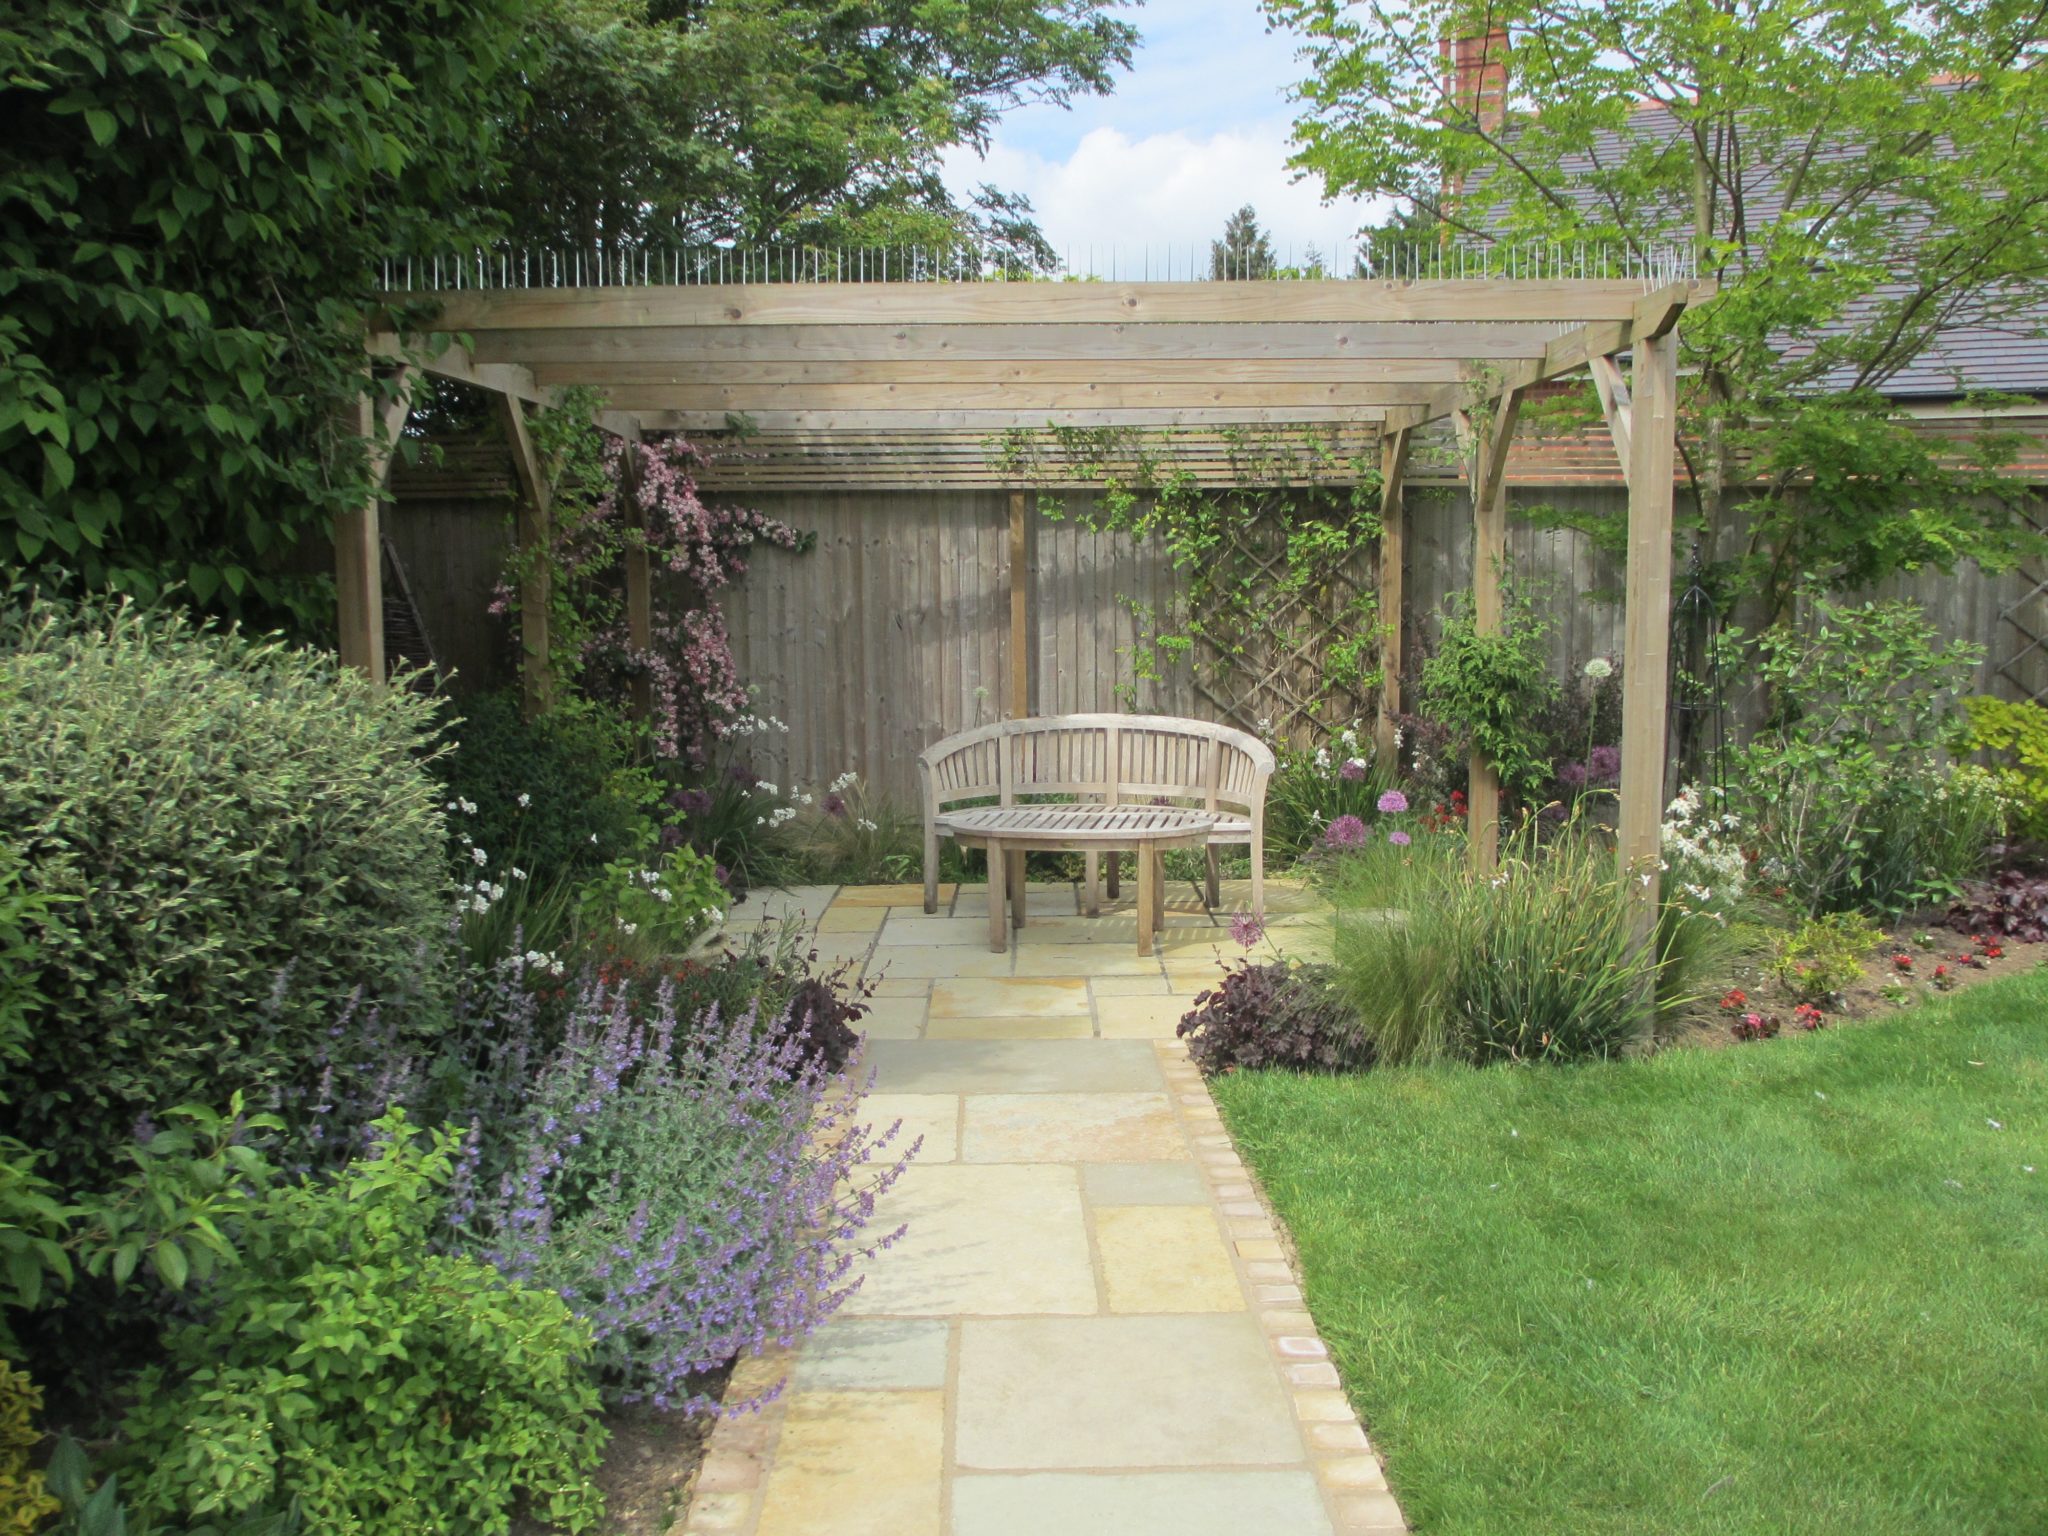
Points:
(897, 383)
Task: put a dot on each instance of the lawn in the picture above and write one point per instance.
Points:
(1793, 1286)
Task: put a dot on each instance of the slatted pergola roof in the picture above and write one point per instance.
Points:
(823, 382)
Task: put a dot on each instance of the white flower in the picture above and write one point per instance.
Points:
(479, 904)
(803, 799)
(518, 873)
(663, 894)
(766, 788)
(1399, 736)
(844, 782)
(628, 928)
(1599, 667)
(865, 825)
(593, 838)
(525, 800)
(478, 856)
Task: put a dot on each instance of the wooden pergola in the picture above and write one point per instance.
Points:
(909, 381)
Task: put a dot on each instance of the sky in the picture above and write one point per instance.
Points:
(1197, 127)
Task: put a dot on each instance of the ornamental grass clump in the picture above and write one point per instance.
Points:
(692, 1187)
(1536, 962)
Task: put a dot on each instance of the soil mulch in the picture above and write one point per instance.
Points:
(649, 1466)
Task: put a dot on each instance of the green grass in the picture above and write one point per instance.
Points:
(1799, 1286)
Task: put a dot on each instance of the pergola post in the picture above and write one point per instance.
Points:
(358, 534)
(1393, 542)
(1490, 437)
(1651, 422)
(1020, 607)
(536, 575)
(639, 575)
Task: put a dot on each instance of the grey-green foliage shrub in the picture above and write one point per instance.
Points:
(1536, 962)
(233, 836)
(1495, 691)
(1845, 790)
(385, 1389)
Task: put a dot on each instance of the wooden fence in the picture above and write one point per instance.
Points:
(895, 629)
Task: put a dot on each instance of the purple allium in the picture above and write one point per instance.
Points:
(1353, 770)
(691, 802)
(1393, 802)
(834, 805)
(1603, 765)
(1247, 928)
(1345, 832)
(1399, 839)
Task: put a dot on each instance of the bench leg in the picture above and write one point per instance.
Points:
(1258, 879)
(1148, 893)
(1018, 860)
(1094, 864)
(1214, 890)
(1116, 864)
(998, 882)
(931, 871)
(1158, 890)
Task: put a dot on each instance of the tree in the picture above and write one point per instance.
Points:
(193, 204)
(1244, 252)
(789, 121)
(1857, 176)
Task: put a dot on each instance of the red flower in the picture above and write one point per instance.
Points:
(1903, 962)
(1735, 1001)
(1806, 1016)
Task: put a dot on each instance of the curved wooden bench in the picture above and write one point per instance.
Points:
(1104, 760)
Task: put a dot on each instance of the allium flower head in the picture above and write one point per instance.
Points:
(1399, 839)
(1345, 832)
(1247, 928)
(835, 805)
(1598, 668)
(1353, 770)
(1393, 803)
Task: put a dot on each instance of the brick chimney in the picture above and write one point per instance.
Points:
(1476, 75)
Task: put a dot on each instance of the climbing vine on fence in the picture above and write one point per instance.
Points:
(1277, 615)
(611, 497)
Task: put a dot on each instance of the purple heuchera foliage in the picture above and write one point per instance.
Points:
(1345, 832)
(694, 1188)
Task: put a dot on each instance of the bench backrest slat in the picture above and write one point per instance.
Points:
(1107, 758)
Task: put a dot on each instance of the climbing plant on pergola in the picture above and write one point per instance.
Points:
(843, 382)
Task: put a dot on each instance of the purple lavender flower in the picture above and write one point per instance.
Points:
(1353, 770)
(1247, 928)
(1399, 839)
(1393, 803)
(1345, 832)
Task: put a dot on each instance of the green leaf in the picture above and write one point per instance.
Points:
(171, 1264)
(102, 125)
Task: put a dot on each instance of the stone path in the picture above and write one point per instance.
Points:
(1090, 1328)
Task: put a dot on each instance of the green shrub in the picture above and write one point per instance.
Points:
(653, 909)
(2019, 733)
(233, 835)
(1845, 790)
(24, 1502)
(1823, 956)
(561, 795)
(1536, 962)
(847, 835)
(1311, 789)
(388, 1390)
(1496, 691)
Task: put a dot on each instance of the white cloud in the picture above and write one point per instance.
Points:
(1163, 191)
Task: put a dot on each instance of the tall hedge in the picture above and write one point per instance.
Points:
(233, 836)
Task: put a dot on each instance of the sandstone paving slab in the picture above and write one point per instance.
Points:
(931, 964)
(995, 1240)
(842, 919)
(1112, 928)
(1072, 1026)
(893, 1018)
(1015, 1066)
(1140, 1018)
(934, 1116)
(889, 895)
(902, 986)
(1069, 1128)
(1153, 983)
(905, 928)
(1153, 1183)
(869, 1353)
(857, 1464)
(1010, 998)
(1207, 1503)
(1165, 1258)
(1084, 960)
(809, 900)
(1053, 1393)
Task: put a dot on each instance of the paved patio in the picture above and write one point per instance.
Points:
(1091, 1325)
